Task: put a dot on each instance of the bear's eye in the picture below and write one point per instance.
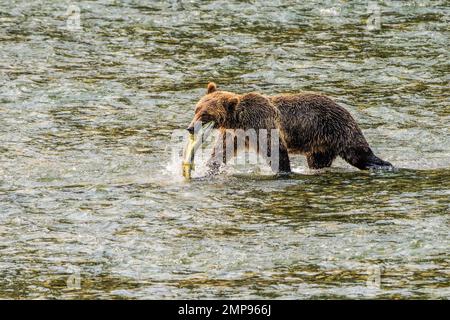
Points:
(206, 117)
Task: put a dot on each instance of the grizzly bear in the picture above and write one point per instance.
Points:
(310, 124)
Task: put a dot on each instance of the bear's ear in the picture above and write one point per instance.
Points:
(231, 104)
(211, 88)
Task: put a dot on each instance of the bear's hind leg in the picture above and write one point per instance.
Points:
(364, 159)
(319, 160)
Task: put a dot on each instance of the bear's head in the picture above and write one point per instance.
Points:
(216, 107)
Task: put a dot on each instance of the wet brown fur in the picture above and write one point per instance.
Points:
(310, 124)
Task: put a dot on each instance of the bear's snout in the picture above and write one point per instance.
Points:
(190, 129)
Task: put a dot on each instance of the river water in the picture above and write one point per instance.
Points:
(92, 203)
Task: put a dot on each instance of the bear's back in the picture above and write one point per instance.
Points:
(310, 117)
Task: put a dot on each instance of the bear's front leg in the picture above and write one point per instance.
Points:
(213, 165)
(284, 164)
(280, 162)
(218, 156)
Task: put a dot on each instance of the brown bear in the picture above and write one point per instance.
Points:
(310, 124)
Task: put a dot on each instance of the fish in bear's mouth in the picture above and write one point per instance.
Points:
(194, 142)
